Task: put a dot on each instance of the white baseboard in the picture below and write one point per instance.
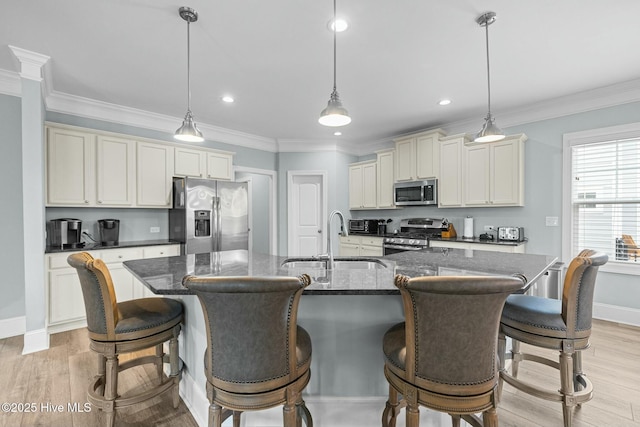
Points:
(615, 313)
(12, 327)
(34, 341)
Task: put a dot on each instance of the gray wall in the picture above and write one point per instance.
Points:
(11, 227)
(336, 164)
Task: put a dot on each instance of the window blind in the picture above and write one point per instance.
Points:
(605, 197)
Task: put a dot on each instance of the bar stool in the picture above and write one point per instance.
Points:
(443, 356)
(123, 327)
(257, 356)
(558, 325)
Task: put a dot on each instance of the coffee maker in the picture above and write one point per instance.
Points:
(109, 231)
(65, 233)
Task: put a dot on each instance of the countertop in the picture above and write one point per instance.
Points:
(97, 246)
(164, 275)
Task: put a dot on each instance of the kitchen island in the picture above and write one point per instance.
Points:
(345, 310)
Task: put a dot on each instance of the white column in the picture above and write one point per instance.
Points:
(36, 337)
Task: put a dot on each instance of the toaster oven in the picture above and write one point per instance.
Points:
(514, 234)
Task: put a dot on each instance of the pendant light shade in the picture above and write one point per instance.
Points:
(490, 131)
(335, 114)
(188, 132)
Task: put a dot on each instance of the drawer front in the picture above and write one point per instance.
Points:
(161, 251)
(120, 255)
(59, 260)
(372, 241)
(353, 240)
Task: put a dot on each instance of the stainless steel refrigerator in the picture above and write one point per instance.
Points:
(209, 215)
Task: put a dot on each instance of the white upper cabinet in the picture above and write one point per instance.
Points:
(70, 168)
(450, 181)
(115, 172)
(417, 156)
(154, 173)
(219, 165)
(189, 162)
(495, 173)
(203, 163)
(363, 185)
(386, 175)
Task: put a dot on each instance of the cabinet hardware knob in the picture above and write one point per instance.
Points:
(86, 201)
(119, 256)
(99, 201)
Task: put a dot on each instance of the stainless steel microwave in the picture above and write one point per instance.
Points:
(416, 192)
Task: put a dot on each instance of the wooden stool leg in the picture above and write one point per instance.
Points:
(502, 354)
(215, 415)
(159, 361)
(455, 420)
(490, 418)
(413, 415)
(515, 357)
(391, 410)
(236, 418)
(566, 382)
(577, 370)
(289, 410)
(174, 365)
(102, 361)
(110, 388)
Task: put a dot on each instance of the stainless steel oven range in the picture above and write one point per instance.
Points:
(414, 234)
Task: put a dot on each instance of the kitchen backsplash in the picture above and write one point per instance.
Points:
(135, 224)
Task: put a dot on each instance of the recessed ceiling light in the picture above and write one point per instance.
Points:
(444, 102)
(227, 98)
(337, 133)
(340, 25)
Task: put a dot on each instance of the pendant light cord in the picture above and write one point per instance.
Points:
(488, 72)
(334, 45)
(188, 66)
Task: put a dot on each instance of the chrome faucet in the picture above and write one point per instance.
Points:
(343, 232)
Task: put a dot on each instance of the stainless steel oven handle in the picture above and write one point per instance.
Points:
(405, 248)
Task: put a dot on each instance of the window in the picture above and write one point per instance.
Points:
(602, 195)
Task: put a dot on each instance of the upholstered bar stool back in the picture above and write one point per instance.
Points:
(443, 356)
(257, 356)
(553, 324)
(125, 327)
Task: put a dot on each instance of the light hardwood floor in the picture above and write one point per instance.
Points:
(60, 376)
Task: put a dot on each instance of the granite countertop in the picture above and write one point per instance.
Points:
(97, 246)
(164, 275)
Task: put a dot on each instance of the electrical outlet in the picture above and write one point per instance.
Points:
(551, 221)
(154, 230)
(489, 228)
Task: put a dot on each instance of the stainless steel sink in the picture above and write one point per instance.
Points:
(338, 264)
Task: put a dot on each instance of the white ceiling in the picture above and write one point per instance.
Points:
(395, 62)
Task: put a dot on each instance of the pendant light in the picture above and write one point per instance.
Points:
(335, 114)
(188, 132)
(489, 132)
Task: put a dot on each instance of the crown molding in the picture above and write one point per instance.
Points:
(31, 63)
(90, 108)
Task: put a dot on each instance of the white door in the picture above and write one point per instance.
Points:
(307, 213)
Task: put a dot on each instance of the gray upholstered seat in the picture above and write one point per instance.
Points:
(444, 355)
(124, 327)
(553, 324)
(257, 356)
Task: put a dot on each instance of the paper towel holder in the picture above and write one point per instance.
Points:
(468, 228)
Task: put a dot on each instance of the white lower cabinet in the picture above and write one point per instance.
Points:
(65, 303)
(360, 246)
